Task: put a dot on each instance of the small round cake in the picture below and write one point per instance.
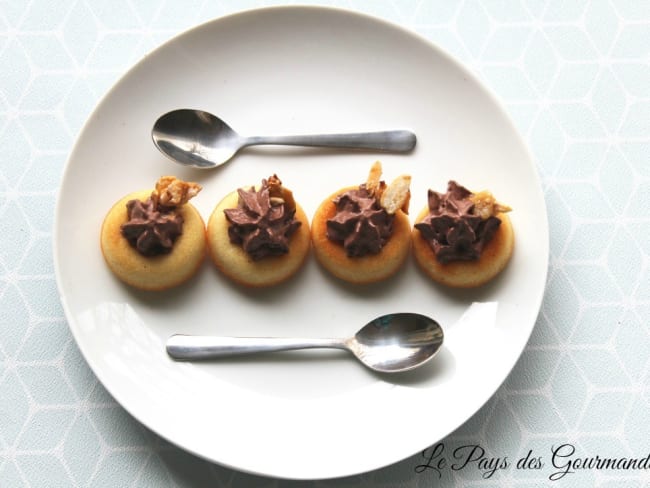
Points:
(259, 237)
(463, 239)
(362, 234)
(155, 240)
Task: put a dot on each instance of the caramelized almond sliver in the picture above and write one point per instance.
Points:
(396, 196)
(280, 194)
(171, 192)
(373, 182)
(486, 206)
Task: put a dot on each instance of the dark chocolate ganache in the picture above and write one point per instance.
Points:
(451, 229)
(151, 228)
(262, 223)
(360, 224)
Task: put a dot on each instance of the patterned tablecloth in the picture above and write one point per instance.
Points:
(575, 78)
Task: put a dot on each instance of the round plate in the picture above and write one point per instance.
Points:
(312, 414)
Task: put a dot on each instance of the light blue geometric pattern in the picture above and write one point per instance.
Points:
(575, 77)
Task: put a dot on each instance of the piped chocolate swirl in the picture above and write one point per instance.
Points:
(154, 225)
(264, 219)
(151, 229)
(360, 224)
(459, 223)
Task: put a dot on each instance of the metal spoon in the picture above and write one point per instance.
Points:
(388, 344)
(202, 140)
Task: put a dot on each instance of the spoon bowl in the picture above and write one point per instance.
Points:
(397, 342)
(388, 344)
(195, 138)
(202, 140)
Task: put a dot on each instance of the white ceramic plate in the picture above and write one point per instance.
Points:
(302, 415)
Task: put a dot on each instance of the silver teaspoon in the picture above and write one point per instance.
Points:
(388, 344)
(202, 140)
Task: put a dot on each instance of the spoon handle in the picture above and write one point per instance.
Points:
(393, 140)
(181, 346)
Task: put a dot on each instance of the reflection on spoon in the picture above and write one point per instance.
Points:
(202, 140)
(388, 344)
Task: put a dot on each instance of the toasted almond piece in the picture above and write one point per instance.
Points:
(486, 206)
(171, 192)
(373, 182)
(397, 195)
(380, 191)
(279, 193)
(275, 186)
(275, 201)
(287, 196)
(405, 205)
